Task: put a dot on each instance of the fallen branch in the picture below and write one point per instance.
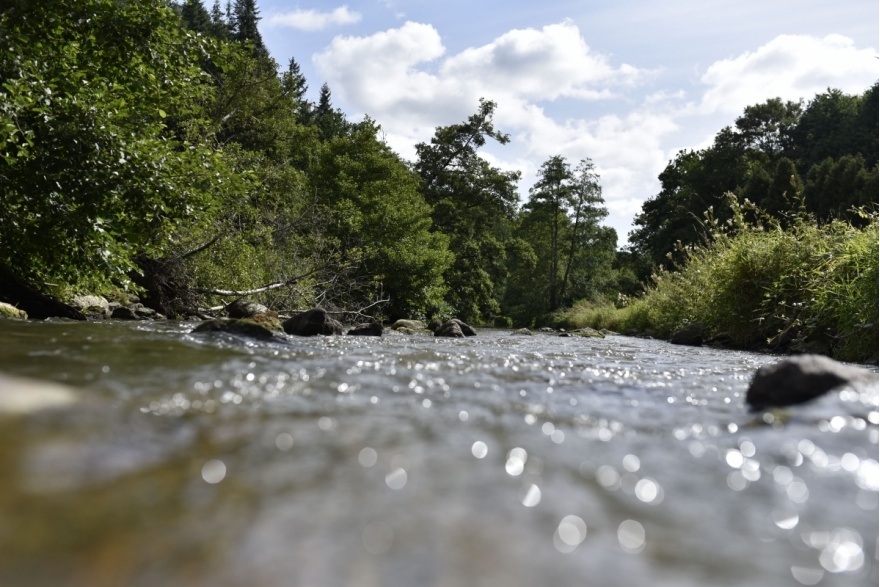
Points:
(248, 292)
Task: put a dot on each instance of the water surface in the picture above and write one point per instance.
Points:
(501, 460)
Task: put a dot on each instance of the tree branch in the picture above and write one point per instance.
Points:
(247, 292)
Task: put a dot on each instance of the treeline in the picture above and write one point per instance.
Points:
(157, 147)
(785, 158)
(766, 240)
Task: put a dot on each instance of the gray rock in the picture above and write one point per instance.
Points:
(799, 379)
(312, 323)
(92, 305)
(449, 329)
(523, 331)
(245, 309)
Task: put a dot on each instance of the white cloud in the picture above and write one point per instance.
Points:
(789, 67)
(312, 20)
(544, 64)
(548, 84)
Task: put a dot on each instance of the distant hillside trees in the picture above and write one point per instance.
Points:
(782, 156)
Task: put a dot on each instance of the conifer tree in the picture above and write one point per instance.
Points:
(245, 18)
(196, 17)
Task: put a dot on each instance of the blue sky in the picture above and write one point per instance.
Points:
(627, 83)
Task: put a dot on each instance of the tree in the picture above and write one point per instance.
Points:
(552, 192)
(561, 223)
(196, 17)
(92, 170)
(473, 203)
(767, 127)
(295, 85)
(219, 25)
(329, 120)
(246, 15)
(380, 223)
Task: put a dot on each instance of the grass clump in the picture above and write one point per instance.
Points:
(806, 287)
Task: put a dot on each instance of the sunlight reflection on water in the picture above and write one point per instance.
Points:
(413, 461)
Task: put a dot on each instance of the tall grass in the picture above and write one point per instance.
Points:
(812, 287)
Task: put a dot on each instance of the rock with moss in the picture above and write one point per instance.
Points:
(10, 311)
(242, 308)
(409, 324)
(523, 332)
(237, 326)
(586, 333)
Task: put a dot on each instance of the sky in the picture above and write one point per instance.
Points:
(625, 83)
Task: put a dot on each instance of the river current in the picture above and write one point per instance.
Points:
(408, 460)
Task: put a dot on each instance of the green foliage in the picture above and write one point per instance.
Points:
(380, 221)
(813, 285)
(778, 152)
(98, 161)
(472, 204)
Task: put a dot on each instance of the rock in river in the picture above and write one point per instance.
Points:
(799, 379)
(313, 322)
(239, 326)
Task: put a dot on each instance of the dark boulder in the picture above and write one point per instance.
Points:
(312, 323)
(455, 328)
(125, 313)
(238, 326)
(799, 379)
(466, 329)
(449, 329)
(372, 329)
(691, 334)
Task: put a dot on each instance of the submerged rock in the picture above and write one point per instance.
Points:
(312, 323)
(799, 379)
(239, 326)
(691, 334)
(21, 395)
(372, 329)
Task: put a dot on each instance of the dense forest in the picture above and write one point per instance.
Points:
(156, 148)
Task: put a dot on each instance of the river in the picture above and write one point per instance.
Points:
(497, 460)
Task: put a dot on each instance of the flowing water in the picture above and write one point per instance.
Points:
(205, 460)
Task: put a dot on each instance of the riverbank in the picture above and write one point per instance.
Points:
(805, 289)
